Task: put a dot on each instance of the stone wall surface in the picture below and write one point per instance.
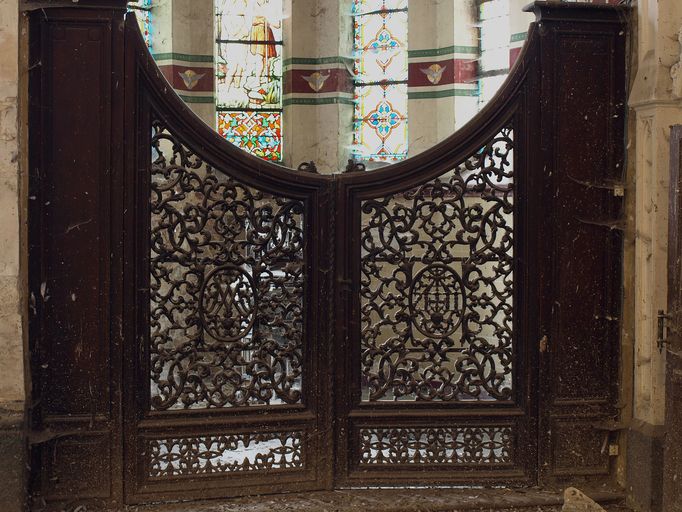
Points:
(11, 343)
(11, 367)
(655, 106)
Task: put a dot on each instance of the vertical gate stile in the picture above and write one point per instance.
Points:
(226, 326)
(546, 304)
(134, 163)
(526, 264)
(329, 330)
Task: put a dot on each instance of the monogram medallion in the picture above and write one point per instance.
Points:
(227, 303)
(437, 301)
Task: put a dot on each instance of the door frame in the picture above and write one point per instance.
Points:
(672, 451)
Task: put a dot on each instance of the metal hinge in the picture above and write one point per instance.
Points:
(662, 338)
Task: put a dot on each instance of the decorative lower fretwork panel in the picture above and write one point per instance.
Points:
(471, 445)
(234, 453)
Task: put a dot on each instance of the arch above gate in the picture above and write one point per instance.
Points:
(207, 324)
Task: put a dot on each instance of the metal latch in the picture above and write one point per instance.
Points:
(662, 328)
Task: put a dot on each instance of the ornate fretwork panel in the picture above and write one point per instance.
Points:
(437, 284)
(441, 446)
(224, 454)
(226, 286)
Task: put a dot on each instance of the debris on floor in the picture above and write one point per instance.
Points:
(410, 500)
(576, 501)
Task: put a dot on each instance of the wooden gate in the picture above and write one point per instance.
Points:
(206, 324)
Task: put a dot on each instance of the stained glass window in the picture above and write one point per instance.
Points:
(249, 75)
(380, 54)
(143, 13)
(258, 132)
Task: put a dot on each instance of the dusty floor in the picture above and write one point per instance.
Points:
(394, 500)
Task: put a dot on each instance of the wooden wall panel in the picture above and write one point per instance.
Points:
(75, 206)
(583, 99)
(581, 338)
(75, 129)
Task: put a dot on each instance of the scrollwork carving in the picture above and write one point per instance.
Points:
(308, 167)
(437, 284)
(442, 446)
(236, 453)
(226, 286)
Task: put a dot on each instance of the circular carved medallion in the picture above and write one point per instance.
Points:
(437, 300)
(227, 303)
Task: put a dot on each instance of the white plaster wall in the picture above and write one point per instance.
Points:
(321, 133)
(186, 26)
(11, 345)
(439, 24)
(162, 22)
(193, 26)
(518, 19)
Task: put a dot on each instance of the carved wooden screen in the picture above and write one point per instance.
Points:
(206, 324)
(225, 356)
(434, 337)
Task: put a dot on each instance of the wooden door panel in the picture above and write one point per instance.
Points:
(672, 452)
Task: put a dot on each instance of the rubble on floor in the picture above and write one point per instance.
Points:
(410, 500)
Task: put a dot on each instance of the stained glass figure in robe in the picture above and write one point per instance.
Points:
(143, 12)
(249, 74)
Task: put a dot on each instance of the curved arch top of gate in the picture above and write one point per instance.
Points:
(451, 149)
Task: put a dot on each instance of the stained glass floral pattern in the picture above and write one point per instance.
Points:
(380, 56)
(380, 46)
(380, 123)
(259, 133)
(370, 6)
(143, 13)
(249, 74)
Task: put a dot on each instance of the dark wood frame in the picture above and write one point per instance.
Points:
(89, 153)
(672, 336)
